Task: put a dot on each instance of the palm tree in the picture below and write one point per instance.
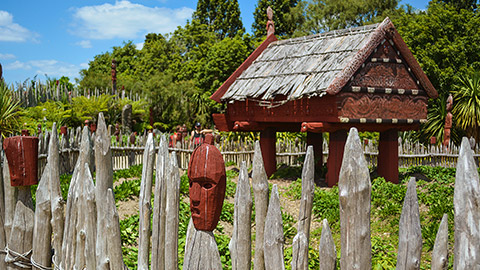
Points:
(466, 105)
(9, 111)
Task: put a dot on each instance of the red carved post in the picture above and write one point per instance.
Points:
(268, 138)
(270, 23)
(114, 75)
(63, 130)
(448, 122)
(207, 178)
(335, 156)
(316, 140)
(387, 164)
(22, 156)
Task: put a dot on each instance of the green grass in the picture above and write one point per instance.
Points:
(435, 194)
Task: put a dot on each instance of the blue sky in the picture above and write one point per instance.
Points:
(59, 37)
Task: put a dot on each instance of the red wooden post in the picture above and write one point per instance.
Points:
(335, 156)
(387, 164)
(22, 156)
(316, 140)
(268, 139)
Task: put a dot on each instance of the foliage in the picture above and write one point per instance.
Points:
(327, 15)
(9, 111)
(284, 21)
(466, 109)
(222, 17)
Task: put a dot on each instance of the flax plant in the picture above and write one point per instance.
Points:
(9, 111)
(466, 105)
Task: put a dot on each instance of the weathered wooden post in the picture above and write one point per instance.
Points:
(207, 178)
(354, 190)
(10, 196)
(144, 204)
(327, 251)
(171, 209)
(440, 248)
(466, 201)
(159, 205)
(109, 255)
(301, 240)
(75, 233)
(241, 243)
(410, 232)
(56, 200)
(260, 191)
(273, 236)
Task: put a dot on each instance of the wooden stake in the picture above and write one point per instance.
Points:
(327, 251)
(440, 248)
(42, 232)
(159, 204)
(201, 251)
(466, 201)
(354, 191)
(144, 204)
(410, 232)
(273, 236)
(172, 208)
(241, 243)
(260, 191)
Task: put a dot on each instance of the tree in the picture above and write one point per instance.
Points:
(97, 75)
(466, 105)
(285, 21)
(221, 16)
(326, 15)
(445, 41)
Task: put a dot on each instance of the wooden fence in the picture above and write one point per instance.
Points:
(87, 234)
(289, 153)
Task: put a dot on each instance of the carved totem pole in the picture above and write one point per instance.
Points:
(270, 23)
(207, 179)
(448, 122)
(114, 75)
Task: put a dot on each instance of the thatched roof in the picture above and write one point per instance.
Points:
(312, 65)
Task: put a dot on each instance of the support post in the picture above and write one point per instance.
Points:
(387, 161)
(335, 155)
(316, 140)
(268, 139)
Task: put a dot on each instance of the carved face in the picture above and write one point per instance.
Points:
(207, 178)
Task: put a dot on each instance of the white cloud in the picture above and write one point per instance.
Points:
(139, 46)
(126, 20)
(84, 44)
(6, 56)
(52, 68)
(10, 31)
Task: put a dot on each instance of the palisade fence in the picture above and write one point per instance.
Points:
(32, 94)
(86, 234)
(289, 152)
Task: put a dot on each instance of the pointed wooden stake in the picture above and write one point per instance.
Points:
(260, 191)
(327, 251)
(273, 237)
(466, 201)
(410, 232)
(440, 249)
(56, 200)
(42, 232)
(159, 214)
(354, 191)
(172, 207)
(300, 252)
(241, 243)
(201, 251)
(145, 207)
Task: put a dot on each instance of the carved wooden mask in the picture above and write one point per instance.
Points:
(207, 178)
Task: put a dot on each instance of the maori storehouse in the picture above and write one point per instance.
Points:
(364, 77)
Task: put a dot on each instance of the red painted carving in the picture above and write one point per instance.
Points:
(207, 178)
(385, 50)
(385, 75)
(22, 156)
(383, 106)
(270, 23)
(448, 122)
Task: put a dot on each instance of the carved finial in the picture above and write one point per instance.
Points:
(270, 23)
(448, 122)
(1, 72)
